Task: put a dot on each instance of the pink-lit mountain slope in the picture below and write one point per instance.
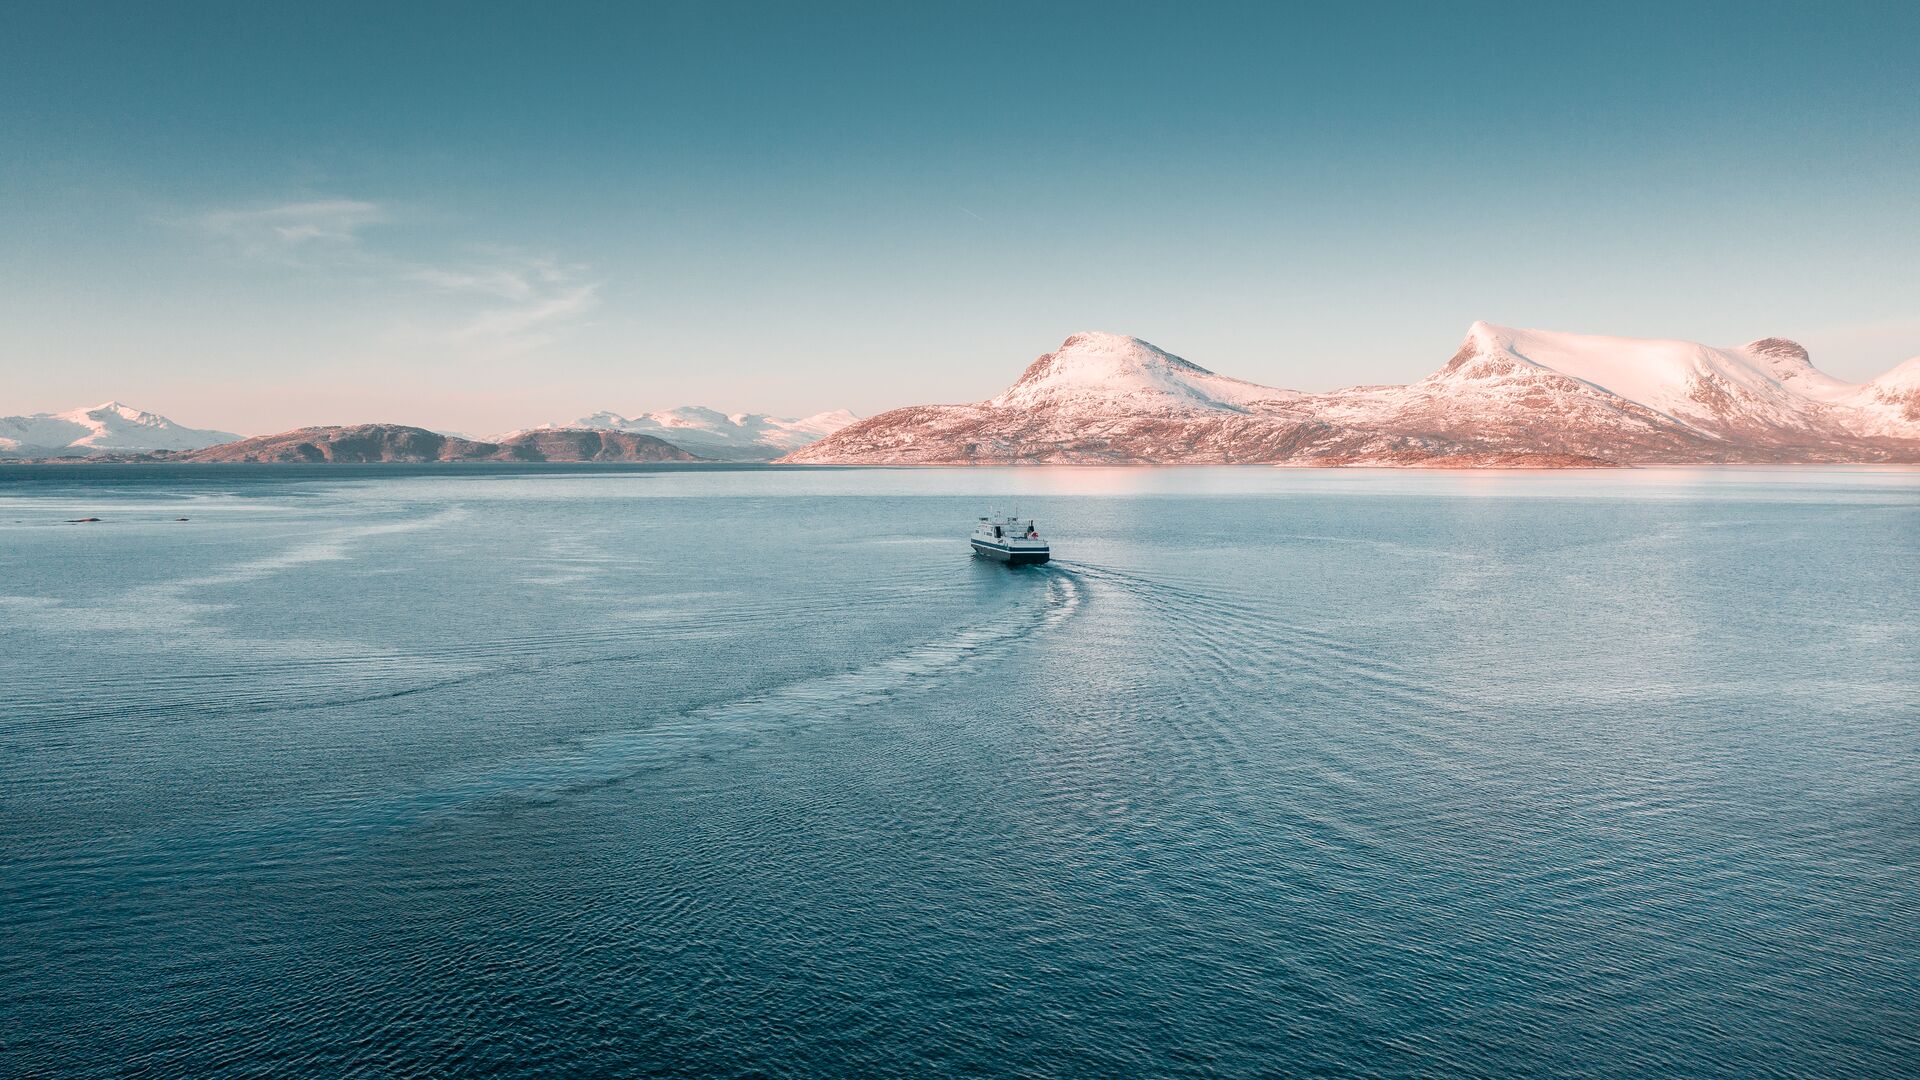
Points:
(1506, 398)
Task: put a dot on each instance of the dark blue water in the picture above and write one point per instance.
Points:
(495, 771)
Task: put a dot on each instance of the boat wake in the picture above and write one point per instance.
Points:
(1236, 674)
(743, 722)
(1043, 600)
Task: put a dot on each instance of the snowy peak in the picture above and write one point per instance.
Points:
(1651, 372)
(1770, 382)
(1904, 376)
(823, 424)
(1786, 359)
(115, 408)
(109, 427)
(1894, 399)
(114, 415)
(723, 436)
(1095, 368)
(1792, 367)
(1485, 353)
(1099, 358)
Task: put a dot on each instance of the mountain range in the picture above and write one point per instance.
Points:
(1507, 397)
(399, 442)
(720, 436)
(691, 433)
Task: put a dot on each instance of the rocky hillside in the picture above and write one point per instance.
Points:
(399, 443)
(576, 444)
(1506, 398)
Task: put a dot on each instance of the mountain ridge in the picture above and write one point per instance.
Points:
(355, 443)
(713, 434)
(1507, 397)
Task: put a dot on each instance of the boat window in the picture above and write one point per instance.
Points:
(996, 532)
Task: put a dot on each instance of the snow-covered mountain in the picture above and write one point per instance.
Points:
(720, 436)
(100, 429)
(1103, 372)
(1506, 397)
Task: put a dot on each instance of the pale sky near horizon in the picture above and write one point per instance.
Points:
(481, 216)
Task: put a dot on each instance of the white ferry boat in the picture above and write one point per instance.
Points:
(1011, 540)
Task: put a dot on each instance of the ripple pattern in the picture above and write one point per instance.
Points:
(466, 774)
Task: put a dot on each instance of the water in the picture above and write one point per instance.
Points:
(461, 771)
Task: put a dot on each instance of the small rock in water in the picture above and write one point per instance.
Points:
(80, 521)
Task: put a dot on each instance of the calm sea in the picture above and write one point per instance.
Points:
(497, 771)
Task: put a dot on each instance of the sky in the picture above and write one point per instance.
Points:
(480, 216)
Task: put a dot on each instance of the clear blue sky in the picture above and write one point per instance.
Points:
(476, 216)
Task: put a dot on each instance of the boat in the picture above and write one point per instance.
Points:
(1011, 540)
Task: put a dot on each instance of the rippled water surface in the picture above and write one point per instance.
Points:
(489, 771)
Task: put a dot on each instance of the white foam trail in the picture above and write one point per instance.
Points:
(167, 608)
(607, 758)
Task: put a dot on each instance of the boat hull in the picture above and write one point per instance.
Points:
(1012, 556)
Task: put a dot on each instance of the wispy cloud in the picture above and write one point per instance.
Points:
(534, 298)
(513, 302)
(293, 228)
(531, 324)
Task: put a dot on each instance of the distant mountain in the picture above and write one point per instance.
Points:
(102, 429)
(399, 443)
(1507, 397)
(579, 444)
(722, 436)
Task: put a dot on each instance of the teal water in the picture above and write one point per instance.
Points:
(756, 772)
